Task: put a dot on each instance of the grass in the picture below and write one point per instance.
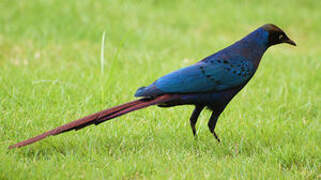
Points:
(50, 58)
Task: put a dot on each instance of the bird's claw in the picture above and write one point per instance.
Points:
(195, 135)
(216, 137)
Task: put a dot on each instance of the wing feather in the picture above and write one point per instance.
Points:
(210, 75)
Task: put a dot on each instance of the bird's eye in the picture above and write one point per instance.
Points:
(280, 36)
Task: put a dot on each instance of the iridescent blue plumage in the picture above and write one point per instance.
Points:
(229, 68)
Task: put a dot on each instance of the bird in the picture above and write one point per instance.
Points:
(210, 83)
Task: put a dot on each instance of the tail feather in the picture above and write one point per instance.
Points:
(97, 118)
(135, 107)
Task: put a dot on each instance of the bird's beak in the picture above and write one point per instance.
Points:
(289, 41)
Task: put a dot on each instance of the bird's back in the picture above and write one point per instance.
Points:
(227, 69)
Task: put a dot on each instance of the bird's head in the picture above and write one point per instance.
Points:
(277, 35)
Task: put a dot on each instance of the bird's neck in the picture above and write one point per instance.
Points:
(253, 46)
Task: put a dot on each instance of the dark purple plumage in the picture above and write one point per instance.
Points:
(212, 83)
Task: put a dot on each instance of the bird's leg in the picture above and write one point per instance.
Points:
(194, 117)
(212, 123)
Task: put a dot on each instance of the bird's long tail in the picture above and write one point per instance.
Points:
(98, 118)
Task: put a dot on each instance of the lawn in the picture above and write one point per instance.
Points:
(51, 73)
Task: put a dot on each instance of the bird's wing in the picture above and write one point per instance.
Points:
(209, 75)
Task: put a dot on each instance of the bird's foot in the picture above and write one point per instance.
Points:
(195, 134)
(195, 137)
(216, 137)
